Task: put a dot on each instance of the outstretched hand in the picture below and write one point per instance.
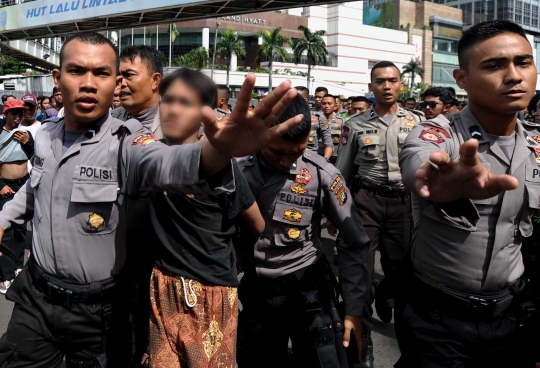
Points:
(444, 180)
(245, 132)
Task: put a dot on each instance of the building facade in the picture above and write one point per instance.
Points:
(353, 46)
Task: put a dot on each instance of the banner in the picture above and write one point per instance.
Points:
(50, 12)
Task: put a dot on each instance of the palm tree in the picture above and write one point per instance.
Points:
(272, 46)
(414, 68)
(313, 46)
(230, 43)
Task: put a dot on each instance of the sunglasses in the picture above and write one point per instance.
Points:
(431, 104)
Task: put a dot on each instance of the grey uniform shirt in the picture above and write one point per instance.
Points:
(292, 205)
(319, 131)
(374, 144)
(150, 119)
(335, 125)
(472, 245)
(79, 215)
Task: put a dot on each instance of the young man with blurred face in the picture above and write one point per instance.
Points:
(16, 148)
(320, 92)
(334, 122)
(320, 138)
(85, 166)
(370, 143)
(56, 105)
(29, 122)
(294, 187)
(141, 69)
(193, 239)
(116, 101)
(476, 205)
(410, 103)
(359, 104)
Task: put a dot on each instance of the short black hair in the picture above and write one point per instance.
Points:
(54, 90)
(532, 104)
(149, 56)
(198, 81)
(452, 90)
(384, 64)
(300, 131)
(350, 98)
(454, 102)
(440, 92)
(484, 31)
(400, 102)
(11, 96)
(361, 99)
(91, 38)
(301, 89)
(221, 88)
(321, 89)
(411, 99)
(329, 95)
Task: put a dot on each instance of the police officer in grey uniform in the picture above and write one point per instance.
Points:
(475, 179)
(71, 298)
(294, 188)
(375, 138)
(334, 122)
(320, 139)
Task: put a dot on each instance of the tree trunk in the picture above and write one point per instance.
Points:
(412, 83)
(308, 75)
(270, 74)
(228, 67)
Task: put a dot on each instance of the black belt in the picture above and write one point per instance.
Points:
(64, 292)
(374, 188)
(478, 307)
(19, 181)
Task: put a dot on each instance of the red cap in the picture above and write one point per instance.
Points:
(13, 104)
(29, 99)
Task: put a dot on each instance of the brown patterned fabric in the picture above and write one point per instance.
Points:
(203, 335)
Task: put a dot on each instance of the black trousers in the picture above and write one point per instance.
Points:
(274, 311)
(40, 334)
(387, 224)
(429, 338)
(14, 237)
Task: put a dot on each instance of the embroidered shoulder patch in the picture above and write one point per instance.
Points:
(431, 136)
(144, 139)
(437, 130)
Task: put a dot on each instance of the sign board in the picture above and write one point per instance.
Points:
(50, 12)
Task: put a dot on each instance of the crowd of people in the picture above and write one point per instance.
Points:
(149, 195)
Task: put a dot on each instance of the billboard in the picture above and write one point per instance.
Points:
(379, 15)
(49, 12)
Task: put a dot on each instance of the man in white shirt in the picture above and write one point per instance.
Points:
(29, 122)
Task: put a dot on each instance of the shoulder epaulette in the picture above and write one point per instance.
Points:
(318, 160)
(416, 112)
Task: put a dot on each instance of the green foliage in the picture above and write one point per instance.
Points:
(259, 69)
(229, 43)
(313, 46)
(419, 89)
(195, 59)
(254, 95)
(271, 48)
(164, 58)
(220, 67)
(413, 68)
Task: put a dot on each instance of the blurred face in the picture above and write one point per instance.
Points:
(180, 111)
(433, 107)
(318, 99)
(410, 104)
(328, 105)
(357, 107)
(386, 85)
(452, 109)
(10, 98)
(87, 80)
(138, 86)
(45, 104)
(339, 105)
(13, 118)
(58, 97)
(116, 101)
(30, 113)
(349, 104)
(500, 77)
(400, 104)
(281, 154)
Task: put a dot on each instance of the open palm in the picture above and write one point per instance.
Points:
(444, 180)
(245, 132)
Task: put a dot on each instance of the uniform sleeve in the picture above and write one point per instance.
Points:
(325, 133)
(153, 166)
(348, 149)
(353, 251)
(425, 139)
(242, 196)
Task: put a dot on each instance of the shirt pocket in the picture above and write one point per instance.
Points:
(96, 208)
(369, 147)
(292, 224)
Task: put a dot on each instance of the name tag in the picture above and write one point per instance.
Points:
(532, 173)
(95, 173)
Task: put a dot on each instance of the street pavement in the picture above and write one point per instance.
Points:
(384, 339)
